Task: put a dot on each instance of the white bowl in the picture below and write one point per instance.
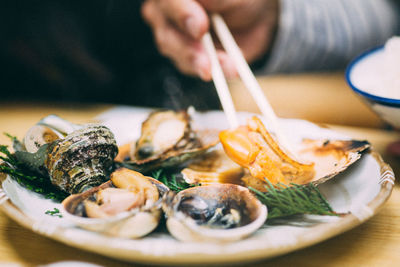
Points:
(366, 75)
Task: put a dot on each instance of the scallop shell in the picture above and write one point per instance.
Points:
(216, 213)
(213, 167)
(330, 158)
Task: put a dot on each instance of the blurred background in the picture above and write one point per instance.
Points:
(89, 51)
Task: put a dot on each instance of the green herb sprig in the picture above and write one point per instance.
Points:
(171, 181)
(55, 212)
(26, 178)
(283, 200)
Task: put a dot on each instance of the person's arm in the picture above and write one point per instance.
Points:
(325, 35)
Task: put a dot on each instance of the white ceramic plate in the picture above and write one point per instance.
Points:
(361, 190)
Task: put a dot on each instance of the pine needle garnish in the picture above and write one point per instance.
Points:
(282, 200)
(26, 178)
(171, 181)
(55, 212)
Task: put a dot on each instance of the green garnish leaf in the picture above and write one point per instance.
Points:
(171, 181)
(54, 212)
(283, 201)
(26, 178)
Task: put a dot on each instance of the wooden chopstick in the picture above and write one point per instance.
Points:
(249, 80)
(220, 82)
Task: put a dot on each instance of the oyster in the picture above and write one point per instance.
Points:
(218, 212)
(254, 148)
(167, 140)
(74, 157)
(129, 205)
(163, 131)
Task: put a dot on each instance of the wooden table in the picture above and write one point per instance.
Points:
(374, 243)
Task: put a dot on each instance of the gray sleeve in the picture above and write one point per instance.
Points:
(326, 34)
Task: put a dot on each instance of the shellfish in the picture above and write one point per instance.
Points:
(217, 213)
(74, 157)
(213, 167)
(129, 205)
(167, 140)
(252, 147)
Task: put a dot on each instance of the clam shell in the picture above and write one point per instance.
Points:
(183, 227)
(131, 224)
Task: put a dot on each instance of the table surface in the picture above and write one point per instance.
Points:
(374, 243)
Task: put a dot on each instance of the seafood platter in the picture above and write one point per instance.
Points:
(174, 187)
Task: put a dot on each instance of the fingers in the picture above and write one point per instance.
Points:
(221, 5)
(174, 34)
(189, 16)
(227, 64)
(187, 53)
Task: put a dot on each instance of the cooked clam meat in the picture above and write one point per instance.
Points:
(129, 205)
(133, 190)
(211, 213)
(111, 201)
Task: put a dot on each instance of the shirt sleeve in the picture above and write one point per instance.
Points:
(325, 35)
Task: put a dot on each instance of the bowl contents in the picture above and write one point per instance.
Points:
(379, 72)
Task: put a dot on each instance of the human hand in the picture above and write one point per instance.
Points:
(178, 26)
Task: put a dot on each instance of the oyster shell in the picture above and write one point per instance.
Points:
(129, 205)
(218, 213)
(167, 140)
(74, 157)
(163, 131)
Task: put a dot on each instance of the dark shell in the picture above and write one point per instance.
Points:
(83, 159)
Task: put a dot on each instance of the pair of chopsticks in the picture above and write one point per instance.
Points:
(245, 74)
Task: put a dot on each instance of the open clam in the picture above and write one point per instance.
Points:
(167, 140)
(74, 157)
(217, 213)
(129, 205)
(254, 148)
